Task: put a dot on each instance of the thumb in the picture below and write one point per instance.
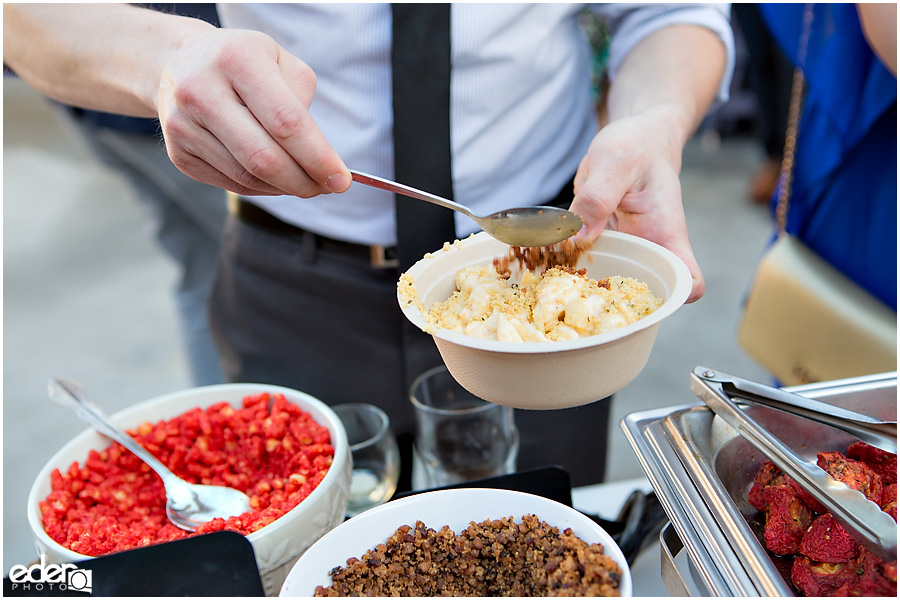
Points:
(597, 195)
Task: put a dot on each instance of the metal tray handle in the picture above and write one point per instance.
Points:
(678, 581)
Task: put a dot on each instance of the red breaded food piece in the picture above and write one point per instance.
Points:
(765, 476)
(882, 462)
(807, 498)
(889, 571)
(876, 577)
(888, 494)
(891, 509)
(770, 475)
(889, 500)
(855, 474)
(787, 519)
(842, 592)
(826, 541)
(823, 579)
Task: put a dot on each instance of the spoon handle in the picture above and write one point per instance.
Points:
(69, 394)
(399, 188)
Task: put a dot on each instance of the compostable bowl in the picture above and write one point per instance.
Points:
(455, 508)
(545, 375)
(277, 545)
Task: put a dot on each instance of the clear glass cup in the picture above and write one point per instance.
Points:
(376, 457)
(459, 437)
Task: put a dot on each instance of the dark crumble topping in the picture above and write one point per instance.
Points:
(540, 258)
(496, 557)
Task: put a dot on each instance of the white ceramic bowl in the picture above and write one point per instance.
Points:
(276, 546)
(547, 375)
(456, 508)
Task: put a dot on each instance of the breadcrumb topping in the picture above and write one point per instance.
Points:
(497, 557)
(560, 304)
(507, 304)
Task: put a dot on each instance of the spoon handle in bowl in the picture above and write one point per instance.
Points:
(69, 394)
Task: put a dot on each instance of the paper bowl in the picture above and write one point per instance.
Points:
(548, 375)
(277, 545)
(456, 508)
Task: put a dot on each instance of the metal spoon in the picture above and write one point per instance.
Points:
(188, 505)
(526, 226)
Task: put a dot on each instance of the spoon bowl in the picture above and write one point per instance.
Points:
(188, 505)
(524, 227)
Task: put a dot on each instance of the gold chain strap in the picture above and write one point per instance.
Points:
(790, 140)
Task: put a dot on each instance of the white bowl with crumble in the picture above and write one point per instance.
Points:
(464, 542)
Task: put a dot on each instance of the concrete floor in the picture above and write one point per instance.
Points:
(87, 295)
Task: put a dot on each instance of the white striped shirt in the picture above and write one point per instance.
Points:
(521, 111)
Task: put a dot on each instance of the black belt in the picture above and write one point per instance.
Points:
(380, 257)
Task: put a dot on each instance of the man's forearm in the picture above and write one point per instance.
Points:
(98, 56)
(677, 71)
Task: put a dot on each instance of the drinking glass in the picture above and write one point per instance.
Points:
(376, 457)
(459, 437)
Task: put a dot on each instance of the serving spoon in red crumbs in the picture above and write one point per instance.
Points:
(528, 226)
(188, 505)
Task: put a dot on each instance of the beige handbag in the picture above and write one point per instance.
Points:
(804, 320)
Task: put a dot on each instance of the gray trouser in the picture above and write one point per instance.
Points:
(290, 310)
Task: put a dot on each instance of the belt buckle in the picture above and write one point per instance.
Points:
(379, 258)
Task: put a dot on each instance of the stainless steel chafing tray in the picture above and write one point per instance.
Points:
(702, 470)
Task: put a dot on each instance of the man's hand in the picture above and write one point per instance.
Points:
(234, 112)
(629, 178)
(234, 106)
(628, 181)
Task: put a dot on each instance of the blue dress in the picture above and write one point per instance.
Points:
(844, 198)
